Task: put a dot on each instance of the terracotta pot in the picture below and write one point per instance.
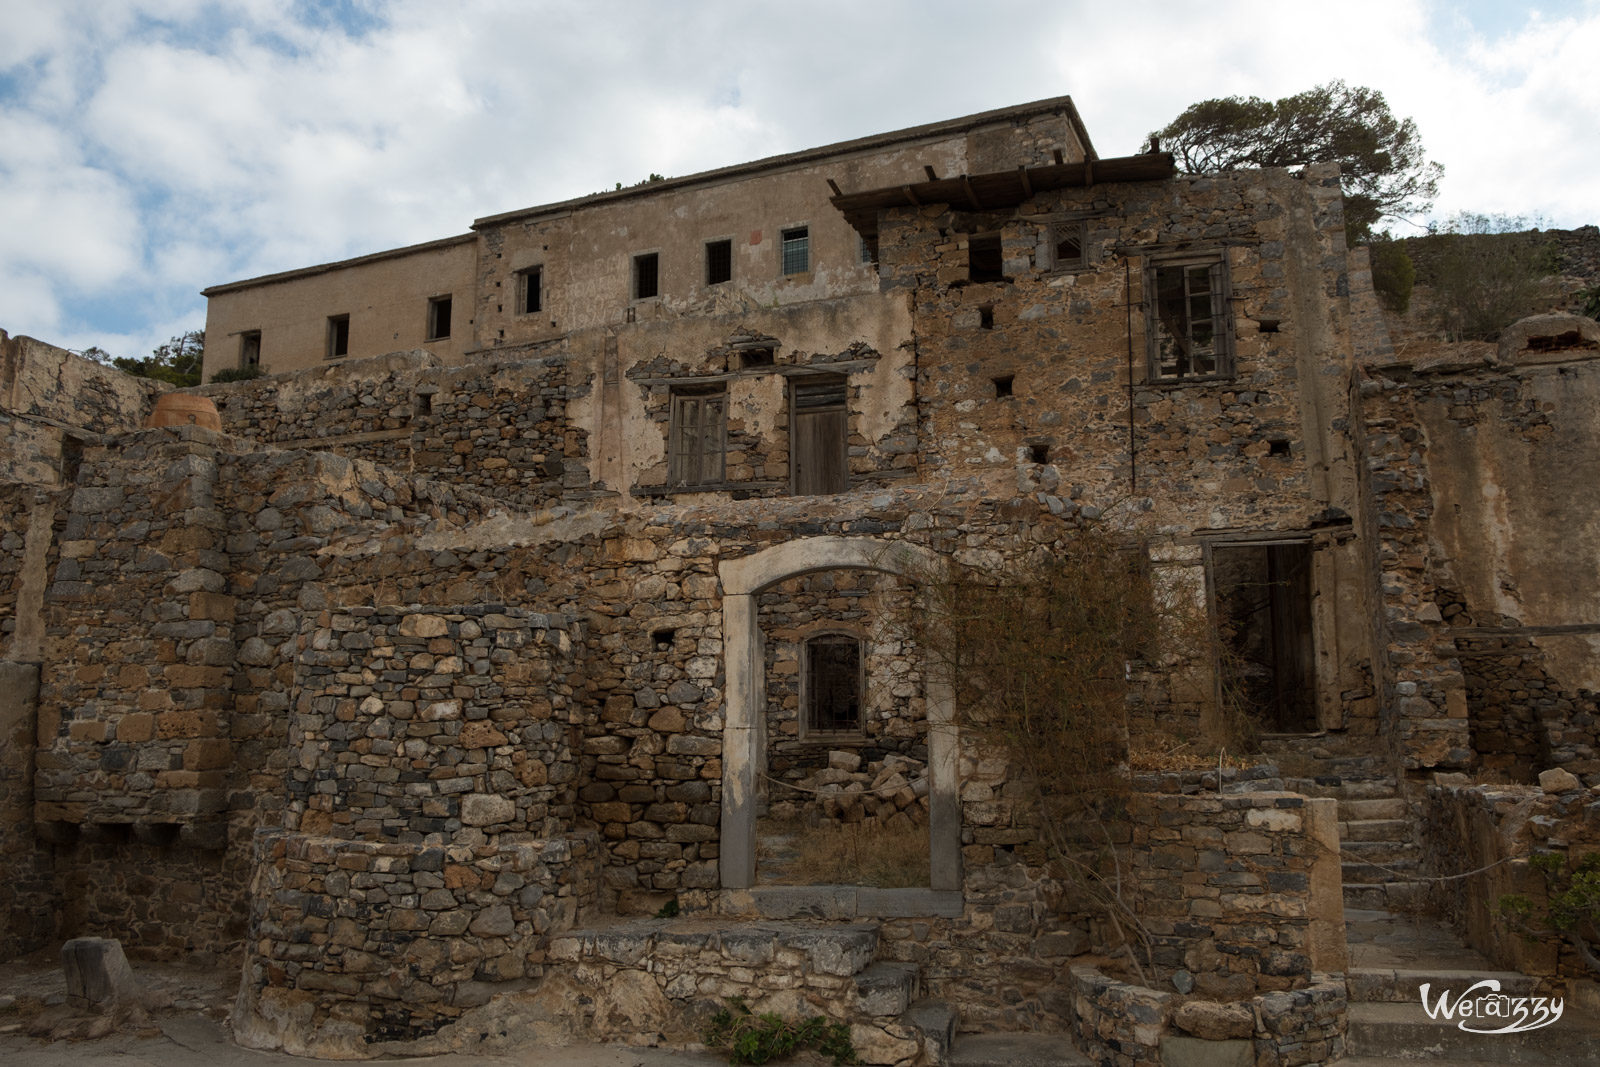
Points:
(182, 409)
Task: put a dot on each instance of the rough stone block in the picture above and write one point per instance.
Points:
(98, 975)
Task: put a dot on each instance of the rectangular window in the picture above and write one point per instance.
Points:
(646, 281)
(530, 291)
(250, 349)
(1068, 247)
(832, 684)
(819, 454)
(439, 318)
(338, 336)
(719, 262)
(797, 250)
(1187, 320)
(867, 248)
(697, 438)
(984, 261)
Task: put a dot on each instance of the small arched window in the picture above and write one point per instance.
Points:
(832, 684)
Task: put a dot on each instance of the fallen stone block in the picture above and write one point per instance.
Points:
(98, 975)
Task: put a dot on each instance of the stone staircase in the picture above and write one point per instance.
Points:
(1393, 956)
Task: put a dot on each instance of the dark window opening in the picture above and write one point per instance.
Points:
(424, 404)
(72, 458)
(1269, 325)
(663, 639)
(1068, 252)
(755, 357)
(439, 318)
(646, 281)
(697, 438)
(719, 262)
(1002, 384)
(984, 261)
(1187, 320)
(867, 248)
(797, 250)
(1278, 448)
(1039, 453)
(250, 349)
(986, 317)
(530, 291)
(1263, 597)
(833, 684)
(819, 454)
(338, 336)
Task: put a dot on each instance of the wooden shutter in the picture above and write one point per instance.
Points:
(819, 445)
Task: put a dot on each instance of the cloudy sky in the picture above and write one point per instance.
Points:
(154, 147)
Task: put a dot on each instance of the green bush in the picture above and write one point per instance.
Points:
(752, 1038)
(1393, 274)
(237, 374)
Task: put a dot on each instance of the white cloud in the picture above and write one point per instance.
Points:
(174, 144)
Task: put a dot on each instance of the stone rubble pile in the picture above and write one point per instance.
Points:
(892, 791)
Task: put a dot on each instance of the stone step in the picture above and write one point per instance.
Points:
(1375, 830)
(834, 949)
(886, 988)
(1357, 872)
(935, 1020)
(1384, 896)
(1405, 1030)
(1376, 985)
(1016, 1050)
(1383, 808)
(1389, 853)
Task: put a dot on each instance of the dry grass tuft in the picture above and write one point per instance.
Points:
(1160, 751)
(864, 853)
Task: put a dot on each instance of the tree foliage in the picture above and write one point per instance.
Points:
(1381, 157)
(177, 361)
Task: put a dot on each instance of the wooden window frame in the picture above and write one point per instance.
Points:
(530, 290)
(697, 433)
(1220, 318)
(446, 302)
(338, 341)
(798, 237)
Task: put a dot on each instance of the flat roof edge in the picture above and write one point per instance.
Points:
(341, 264)
(944, 127)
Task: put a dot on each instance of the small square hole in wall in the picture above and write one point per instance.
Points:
(1002, 384)
(1278, 448)
(755, 357)
(986, 317)
(663, 639)
(1039, 453)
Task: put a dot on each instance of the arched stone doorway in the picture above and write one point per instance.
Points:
(743, 736)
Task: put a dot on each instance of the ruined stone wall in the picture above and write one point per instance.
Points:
(1490, 641)
(45, 384)
(499, 429)
(29, 905)
(355, 942)
(1488, 832)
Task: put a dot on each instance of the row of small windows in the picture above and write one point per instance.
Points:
(795, 258)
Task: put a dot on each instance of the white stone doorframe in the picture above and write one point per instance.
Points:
(745, 720)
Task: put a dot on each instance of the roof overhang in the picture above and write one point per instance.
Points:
(1002, 189)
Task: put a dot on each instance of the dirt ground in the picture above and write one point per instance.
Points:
(185, 1025)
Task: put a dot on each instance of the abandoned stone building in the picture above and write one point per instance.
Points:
(467, 676)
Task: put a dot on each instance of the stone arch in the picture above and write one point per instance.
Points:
(744, 724)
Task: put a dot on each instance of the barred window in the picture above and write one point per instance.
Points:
(797, 250)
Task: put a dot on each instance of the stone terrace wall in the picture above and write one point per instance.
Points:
(133, 716)
(499, 429)
(417, 722)
(1234, 888)
(354, 942)
(46, 384)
